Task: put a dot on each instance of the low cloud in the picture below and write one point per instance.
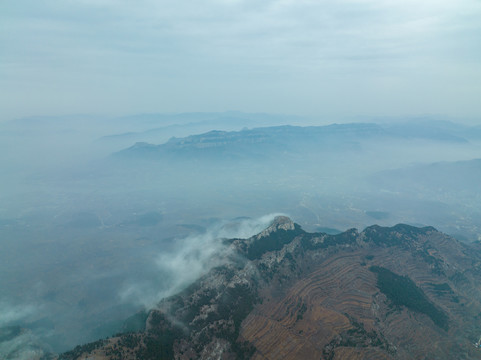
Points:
(22, 347)
(17, 342)
(14, 313)
(191, 258)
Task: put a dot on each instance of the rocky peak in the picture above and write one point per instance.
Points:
(353, 295)
(279, 223)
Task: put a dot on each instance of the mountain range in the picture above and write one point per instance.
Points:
(398, 292)
(261, 140)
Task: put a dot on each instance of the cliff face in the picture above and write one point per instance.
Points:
(385, 293)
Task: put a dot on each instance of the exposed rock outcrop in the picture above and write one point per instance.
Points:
(383, 293)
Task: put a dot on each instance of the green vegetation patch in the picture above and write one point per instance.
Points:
(80, 349)
(357, 336)
(402, 291)
(399, 234)
(273, 242)
(159, 340)
(136, 322)
(346, 238)
(233, 306)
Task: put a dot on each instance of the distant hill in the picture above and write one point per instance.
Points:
(266, 141)
(384, 293)
(158, 128)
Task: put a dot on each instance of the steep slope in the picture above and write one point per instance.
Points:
(384, 293)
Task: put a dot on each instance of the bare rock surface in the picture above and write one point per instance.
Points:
(383, 293)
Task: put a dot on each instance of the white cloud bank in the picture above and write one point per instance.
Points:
(10, 313)
(191, 258)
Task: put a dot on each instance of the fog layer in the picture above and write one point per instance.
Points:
(101, 217)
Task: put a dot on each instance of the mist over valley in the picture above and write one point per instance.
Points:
(235, 179)
(94, 230)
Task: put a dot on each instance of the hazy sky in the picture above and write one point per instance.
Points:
(319, 57)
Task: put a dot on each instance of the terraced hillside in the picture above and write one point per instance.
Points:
(384, 293)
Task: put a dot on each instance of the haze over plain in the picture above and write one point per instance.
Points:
(108, 107)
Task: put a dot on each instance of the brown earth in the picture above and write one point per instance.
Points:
(295, 295)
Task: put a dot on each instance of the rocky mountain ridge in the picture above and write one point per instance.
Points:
(334, 137)
(383, 293)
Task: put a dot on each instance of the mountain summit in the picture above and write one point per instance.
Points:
(397, 292)
(279, 223)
